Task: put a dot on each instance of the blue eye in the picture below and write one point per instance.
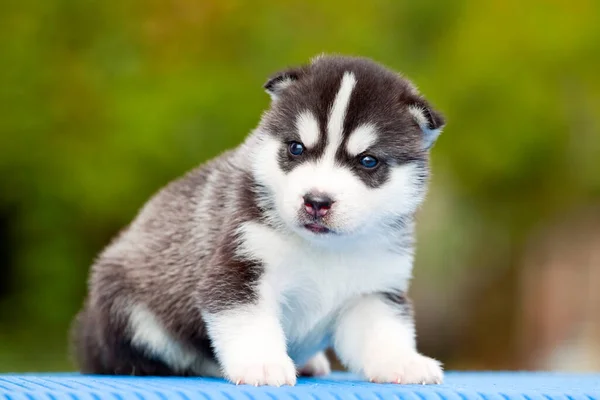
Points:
(296, 148)
(368, 161)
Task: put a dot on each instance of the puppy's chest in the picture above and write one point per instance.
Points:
(312, 289)
(317, 288)
(313, 283)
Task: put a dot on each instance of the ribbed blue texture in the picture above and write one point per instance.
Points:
(458, 386)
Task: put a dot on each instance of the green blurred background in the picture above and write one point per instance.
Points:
(103, 102)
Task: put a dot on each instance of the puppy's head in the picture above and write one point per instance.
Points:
(344, 147)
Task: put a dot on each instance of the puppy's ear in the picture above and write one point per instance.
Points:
(280, 81)
(430, 121)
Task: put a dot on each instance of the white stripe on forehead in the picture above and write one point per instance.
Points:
(335, 125)
(361, 139)
(308, 128)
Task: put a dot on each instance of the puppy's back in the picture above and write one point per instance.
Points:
(157, 261)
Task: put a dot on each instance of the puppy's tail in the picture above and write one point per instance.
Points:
(83, 343)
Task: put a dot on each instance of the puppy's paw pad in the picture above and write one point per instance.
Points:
(316, 366)
(267, 373)
(410, 369)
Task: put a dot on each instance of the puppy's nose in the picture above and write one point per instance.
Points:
(317, 204)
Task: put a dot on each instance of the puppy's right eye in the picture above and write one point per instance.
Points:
(368, 162)
(296, 148)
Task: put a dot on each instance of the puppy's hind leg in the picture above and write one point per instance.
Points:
(101, 345)
(318, 365)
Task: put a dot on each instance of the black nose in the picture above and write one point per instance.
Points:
(317, 205)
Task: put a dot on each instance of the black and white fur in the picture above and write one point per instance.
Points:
(227, 272)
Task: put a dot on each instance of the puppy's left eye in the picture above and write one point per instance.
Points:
(295, 148)
(368, 161)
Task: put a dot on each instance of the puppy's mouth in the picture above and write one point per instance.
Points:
(315, 227)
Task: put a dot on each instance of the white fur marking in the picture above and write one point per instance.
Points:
(150, 335)
(335, 125)
(250, 344)
(279, 87)
(430, 135)
(361, 139)
(308, 128)
(418, 115)
(371, 338)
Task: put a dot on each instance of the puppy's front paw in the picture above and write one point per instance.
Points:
(410, 368)
(316, 366)
(272, 372)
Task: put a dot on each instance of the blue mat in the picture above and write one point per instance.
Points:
(458, 386)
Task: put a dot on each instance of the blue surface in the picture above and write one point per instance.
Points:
(458, 386)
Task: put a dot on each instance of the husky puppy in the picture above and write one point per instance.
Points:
(300, 239)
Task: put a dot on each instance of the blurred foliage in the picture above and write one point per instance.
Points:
(103, 102)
